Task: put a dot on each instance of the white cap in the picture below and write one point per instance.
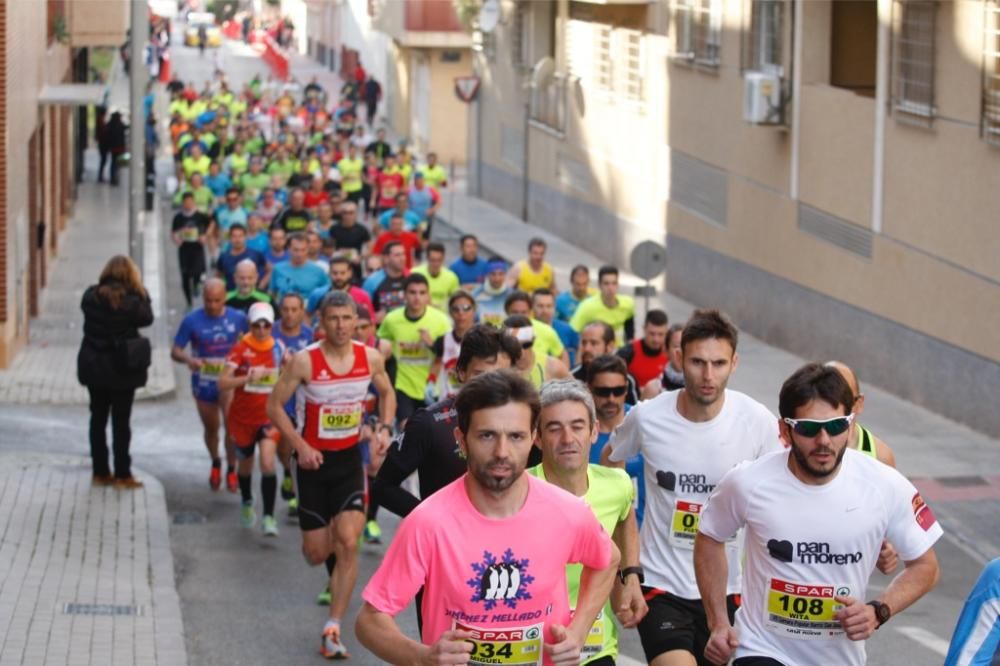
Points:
(260, 311)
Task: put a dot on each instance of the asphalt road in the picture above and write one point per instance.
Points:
(250, 600)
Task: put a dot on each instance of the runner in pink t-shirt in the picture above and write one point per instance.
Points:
(490, 550)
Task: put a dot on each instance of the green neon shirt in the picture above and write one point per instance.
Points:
(413, 357)
(594, 309)
(441, 287)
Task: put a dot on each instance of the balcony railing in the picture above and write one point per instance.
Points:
(431, 16)
(548, 104)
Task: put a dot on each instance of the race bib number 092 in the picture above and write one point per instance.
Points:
(336, 422)
(514, 646)
(798, 610)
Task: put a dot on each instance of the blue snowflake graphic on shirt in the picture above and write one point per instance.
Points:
(505, 580)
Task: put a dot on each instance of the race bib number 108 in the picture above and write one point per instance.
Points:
(798, 610)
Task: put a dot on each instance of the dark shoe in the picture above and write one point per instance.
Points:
(103, 480)
(128, 483)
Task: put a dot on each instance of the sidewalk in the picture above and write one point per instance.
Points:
(45, 370)
(949, 462)
(87, 574)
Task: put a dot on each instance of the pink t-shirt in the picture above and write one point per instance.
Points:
(489, 573)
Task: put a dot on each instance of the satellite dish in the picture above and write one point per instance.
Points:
(542, 72)
(648, 260)
(489, 15)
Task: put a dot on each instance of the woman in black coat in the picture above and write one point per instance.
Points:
(110, 366)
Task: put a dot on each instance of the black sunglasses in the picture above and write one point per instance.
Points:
(608, 391)
(810, 428)
(528, 344)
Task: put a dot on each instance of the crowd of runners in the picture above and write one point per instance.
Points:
(578, 474)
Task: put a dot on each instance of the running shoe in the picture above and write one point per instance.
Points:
(248, 517)
(215, 478)
(103, 480)
(293, 507)
(331, 647)
(232, 483)
(373, 533)
(269, 526)
(324, 598)
(287, 489)
(128, 483)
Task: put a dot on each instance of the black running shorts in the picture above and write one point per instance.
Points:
(674, 623)
(338, 485)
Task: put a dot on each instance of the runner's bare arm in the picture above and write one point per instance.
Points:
(228, 380)
(711, 571)
(606, 458)
(387, 395)
(180, 356)
(296, 372)
(884, 453)
(379, 632)
(629, 605)
(556, 369)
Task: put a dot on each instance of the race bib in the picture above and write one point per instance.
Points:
(513, 646)
(414, 353)
(595, 638)
(211, 369)
(190, 234)
(684, 525)
(339, 421)
(797, 610)
(263, 384)
(389, 191)
(493, 319)
(349, 253)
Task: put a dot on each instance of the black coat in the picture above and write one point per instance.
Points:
(96, 364)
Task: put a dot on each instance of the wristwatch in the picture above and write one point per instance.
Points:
(627, 571)
(882, 612)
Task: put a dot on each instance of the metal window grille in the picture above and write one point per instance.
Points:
(632, 81)
(519, 37)
(548, 104)
(766, 36)
(699, 24)
(991, 74)
(915, 58)
(602, 58)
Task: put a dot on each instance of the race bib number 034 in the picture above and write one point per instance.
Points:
(797, 610)
(684, 525)
(513, 646)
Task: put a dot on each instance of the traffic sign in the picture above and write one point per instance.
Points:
(489, 15)
(466, 87)
(648, 259)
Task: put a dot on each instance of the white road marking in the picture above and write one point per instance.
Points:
(622, 660)
(927, 639)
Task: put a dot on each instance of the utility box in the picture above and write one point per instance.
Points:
(762, 99)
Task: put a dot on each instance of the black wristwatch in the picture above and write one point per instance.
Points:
(627, 571)
(882, 612)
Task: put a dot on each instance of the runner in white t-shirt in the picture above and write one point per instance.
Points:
(815, 518)
(689, 439)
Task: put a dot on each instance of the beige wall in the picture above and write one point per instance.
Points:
(449, 114)
(31, 63)
(95, 22)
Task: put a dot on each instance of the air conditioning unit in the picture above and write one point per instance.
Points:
(762, 104)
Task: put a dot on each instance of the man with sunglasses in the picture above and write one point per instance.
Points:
(815, 515)
(536, 371)
(689, 439)
(448, 347)
(598, 338)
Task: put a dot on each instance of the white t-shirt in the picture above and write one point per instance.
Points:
(684, 461)
(805, 544)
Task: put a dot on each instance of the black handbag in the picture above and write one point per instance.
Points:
(133, 354)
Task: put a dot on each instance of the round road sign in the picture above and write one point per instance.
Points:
(648, 260)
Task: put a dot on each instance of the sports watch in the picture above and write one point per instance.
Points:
(627, 571)
(882, 612)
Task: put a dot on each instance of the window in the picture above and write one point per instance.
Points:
(602, 57)
(699, 25)
(914, 88)
(764, 46)
(520, 38)
(631, 83)
(991, 74)
(853, 40)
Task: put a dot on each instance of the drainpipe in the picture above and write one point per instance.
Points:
(881, 108)
(793, 185)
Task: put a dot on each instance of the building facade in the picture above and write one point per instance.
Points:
(42, 53)
(825, 171)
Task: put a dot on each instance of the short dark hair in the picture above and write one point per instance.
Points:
(187, 195)
(706, 324)
(273, 229)
(517, 321)
(336, 299)
(541, 291)
(296, 236)
(415, 278)
(232, 190)
(656, 318)
(388, 247)
(514, 297)
(461, 295)
(495, 389)
(292, 294)
(537, 242)
(607, 363)
(814, 381)
(486, 342)
(435, 247)
(607, 270)
(607, 333)
(340, 259)
(237, 226)
(465, 237)
(673, 330)
(579, 268)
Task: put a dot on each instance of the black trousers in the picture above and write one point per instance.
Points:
(105, 154)
(117, 404)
